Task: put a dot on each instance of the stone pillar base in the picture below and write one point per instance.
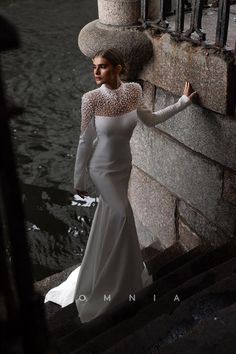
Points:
(131, 41)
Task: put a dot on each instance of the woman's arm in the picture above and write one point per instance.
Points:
(151, 119)
(87, 137)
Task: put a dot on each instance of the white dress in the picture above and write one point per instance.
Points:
(112, 268)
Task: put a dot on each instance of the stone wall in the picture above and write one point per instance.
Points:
(183, 183)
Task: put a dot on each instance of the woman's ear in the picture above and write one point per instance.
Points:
(118, 68)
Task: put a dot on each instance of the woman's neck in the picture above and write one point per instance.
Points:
(114, 84)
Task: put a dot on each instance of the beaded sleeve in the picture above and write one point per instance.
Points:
(87, 138)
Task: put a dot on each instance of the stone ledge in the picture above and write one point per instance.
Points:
(44, 285)
(212, 75)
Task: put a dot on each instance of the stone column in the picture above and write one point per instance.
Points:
(119, 12)
(118, 27)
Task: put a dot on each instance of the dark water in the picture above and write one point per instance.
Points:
(47, 76)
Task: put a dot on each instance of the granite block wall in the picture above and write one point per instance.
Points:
(183, 182)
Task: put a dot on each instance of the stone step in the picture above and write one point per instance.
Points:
(146, 313)
(62, 321)
(59, 323)
(202, 320)
(201, 252)
(153, 258)
(172, 257)
(66, 320)
(194, 267)
(214, 335)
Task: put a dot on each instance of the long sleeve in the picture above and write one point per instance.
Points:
(151, 119)
(86, 141)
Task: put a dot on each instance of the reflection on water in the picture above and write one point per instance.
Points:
(85, 202)
(57, 230)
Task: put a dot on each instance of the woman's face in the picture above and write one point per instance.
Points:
(104, 72)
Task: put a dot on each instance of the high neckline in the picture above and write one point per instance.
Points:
(107, 89)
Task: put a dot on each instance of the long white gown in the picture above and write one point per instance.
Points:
(112, 268)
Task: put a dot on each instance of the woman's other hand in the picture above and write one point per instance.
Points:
(82, 194)
(188, 91)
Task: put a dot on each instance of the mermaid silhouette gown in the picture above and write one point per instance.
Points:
(112, 268)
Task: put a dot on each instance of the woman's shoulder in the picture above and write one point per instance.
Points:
(90, 96)
(134, 88)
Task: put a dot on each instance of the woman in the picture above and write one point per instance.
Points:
(112, 267)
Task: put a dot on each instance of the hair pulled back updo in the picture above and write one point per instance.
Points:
(114, 56)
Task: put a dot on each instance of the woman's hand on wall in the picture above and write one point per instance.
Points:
(188, 91)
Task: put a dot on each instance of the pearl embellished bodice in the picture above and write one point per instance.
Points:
(110, 103)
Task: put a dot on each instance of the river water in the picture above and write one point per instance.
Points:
(47, 76)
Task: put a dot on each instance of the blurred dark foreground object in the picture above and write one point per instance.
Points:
(22, 321)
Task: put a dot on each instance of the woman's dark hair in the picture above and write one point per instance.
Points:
(113, 55)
